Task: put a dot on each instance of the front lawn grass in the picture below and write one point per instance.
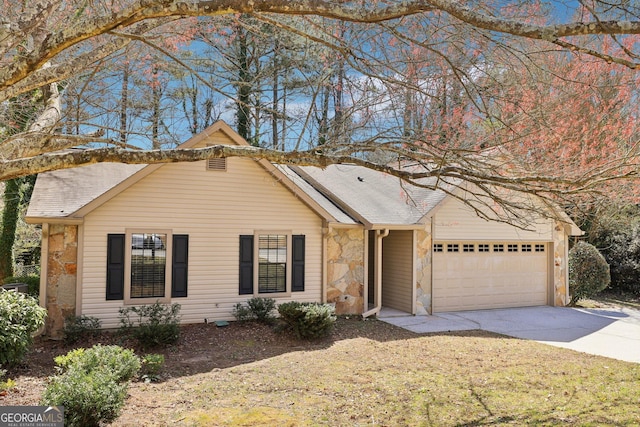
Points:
(458, 379)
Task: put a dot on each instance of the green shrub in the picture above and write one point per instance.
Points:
(20, 318)
(32, 281)
(623, 254)
(89, 398)
(71, 358)
(615, 230)
(242, 313)
(588, 272)
(80, 327)
(151, 366)
(152, 325)
(308, 320)
(121, 363)
(92, 384)
(260, 309)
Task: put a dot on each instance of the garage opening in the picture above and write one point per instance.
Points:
(483, 275)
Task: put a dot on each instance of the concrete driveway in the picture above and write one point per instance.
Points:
(611, 332)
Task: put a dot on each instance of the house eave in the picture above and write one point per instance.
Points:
(343, 225)
(416, 226)
(54, 220)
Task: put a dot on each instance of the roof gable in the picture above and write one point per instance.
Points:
(338, 193)
(68, 195)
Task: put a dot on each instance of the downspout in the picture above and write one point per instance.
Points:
(380, 234)
(433, 237)
(79, 268)
(365, 273)
(326, 232)
(44, 264)
(44, 258)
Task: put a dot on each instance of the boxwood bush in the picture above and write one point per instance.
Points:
(20, 318)
(308, 320)
(259, 309)
(89, 398)
(92, 384)
(152, 325)
(123, 364)
(588, 272)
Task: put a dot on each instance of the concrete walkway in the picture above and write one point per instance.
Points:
(611, 332)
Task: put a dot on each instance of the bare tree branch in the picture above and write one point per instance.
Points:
(141, 10)
(67, 69)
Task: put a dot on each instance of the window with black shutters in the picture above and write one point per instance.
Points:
(152, 275)
(274, 261)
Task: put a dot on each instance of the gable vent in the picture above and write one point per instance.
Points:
(217, 164)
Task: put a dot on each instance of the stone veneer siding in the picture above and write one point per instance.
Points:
(62, 264)
(560, 265)
(345, 270)
(423, 272)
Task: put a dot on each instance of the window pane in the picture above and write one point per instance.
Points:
(272, 263)
(148, 265)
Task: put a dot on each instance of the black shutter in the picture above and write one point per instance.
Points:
(115, 266)
(297, 263)
(246, 265)
(179, 265)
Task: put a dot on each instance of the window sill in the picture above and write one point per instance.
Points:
(274, 295)
(146, 301)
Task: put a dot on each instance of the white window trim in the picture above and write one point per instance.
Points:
(256, 264)
(127, 267)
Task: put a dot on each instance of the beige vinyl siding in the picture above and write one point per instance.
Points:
(397, 270)
(455, 221)
(214, 208)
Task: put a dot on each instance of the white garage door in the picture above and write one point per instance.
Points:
(473, 276)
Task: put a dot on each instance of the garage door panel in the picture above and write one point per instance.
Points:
(479, 280)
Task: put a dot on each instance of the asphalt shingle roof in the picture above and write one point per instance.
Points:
(376, 197)
(349, 193)
(61, 193)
